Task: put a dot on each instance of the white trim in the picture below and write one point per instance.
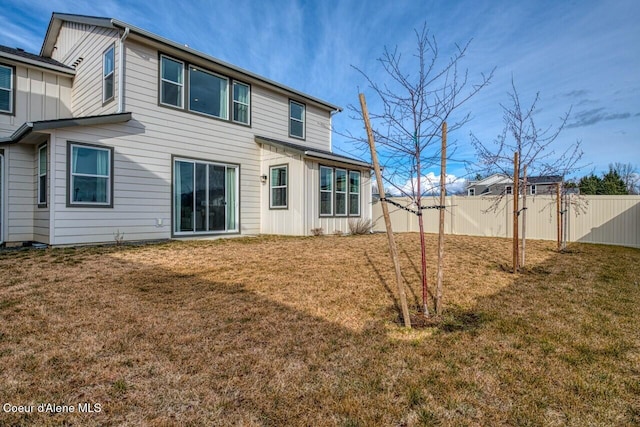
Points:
(181, 85)
(285, 186)
(121, 51)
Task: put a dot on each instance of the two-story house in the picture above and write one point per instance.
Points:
(498, 184)
(115, 131)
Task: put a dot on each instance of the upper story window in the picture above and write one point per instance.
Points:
(171, 82)
(208, 93)
(108, 74)
(241, 94)
(471, 192)
(296, 119)
(6, 89)
(90, 175)
(508, 189)
(533, 190)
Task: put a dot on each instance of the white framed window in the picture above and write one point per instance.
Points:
(241, 102)
(296, 119)
(171, 82)
(90, 176)
(108, 74)
(326, 191)
(208, 93)
(354, 193)
(205, 197)
(6, 89)
(471, 192)
(533, 190)
(42, 175)
(508, 189)
(278, 187)
(341, 192)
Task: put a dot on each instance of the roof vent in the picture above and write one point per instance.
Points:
(77, 62)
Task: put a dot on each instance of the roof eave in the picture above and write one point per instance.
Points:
(30, 127)
(149, 35)
(62, 70)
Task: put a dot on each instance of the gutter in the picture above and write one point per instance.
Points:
(121, 71)
(29, 127)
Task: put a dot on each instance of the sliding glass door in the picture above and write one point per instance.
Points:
(205, 197)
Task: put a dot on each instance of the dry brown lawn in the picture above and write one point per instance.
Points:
(304, 331)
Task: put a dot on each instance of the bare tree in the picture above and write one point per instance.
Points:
(533, 146)
(415, 102)
(629, 175)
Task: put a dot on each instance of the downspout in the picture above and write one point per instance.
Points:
(121, 71)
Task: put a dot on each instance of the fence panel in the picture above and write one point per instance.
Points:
(613, 220)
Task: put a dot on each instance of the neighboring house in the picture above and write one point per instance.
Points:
(112, 129)
(498, 184)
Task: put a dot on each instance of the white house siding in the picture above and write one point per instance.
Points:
(77, 41)
(290, 221)
(141, 190)
(40, 95)
(330, 225)
(20, 193)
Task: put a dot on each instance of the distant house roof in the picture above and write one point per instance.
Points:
(544, 179)
(313, 152)
(21, 56)
(56, 24)
(498, 178)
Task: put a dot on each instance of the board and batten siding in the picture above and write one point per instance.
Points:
(330, 225)
(88, 42)
(289, 221)
(39, 96)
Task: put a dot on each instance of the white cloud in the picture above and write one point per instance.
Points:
(430, 184)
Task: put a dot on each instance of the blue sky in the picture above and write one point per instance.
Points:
(581, 55)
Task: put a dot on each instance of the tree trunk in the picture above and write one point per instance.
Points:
(423, 246)
(515, 191)
(443, 191)
(387, 219)
(524, 214)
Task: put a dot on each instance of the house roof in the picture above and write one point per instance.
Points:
(19, 55)
(56, 23)
(312, 152)
(23, 131)
(498, 178)
(544, 179)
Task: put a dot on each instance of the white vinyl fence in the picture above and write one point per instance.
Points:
(613, 220)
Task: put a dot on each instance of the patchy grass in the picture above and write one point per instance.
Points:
(304, 331)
